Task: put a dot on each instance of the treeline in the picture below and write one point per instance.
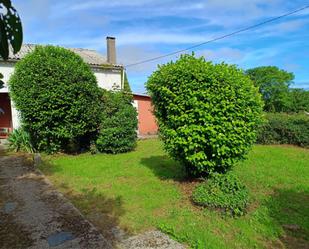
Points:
(286, 119)
(275, 87)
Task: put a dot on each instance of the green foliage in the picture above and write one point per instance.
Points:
(223, 191)
(126, 86)
(20, 140)
(118, 123)
(280, 128)
(274, 86)
(298, 100)
(1, 81)
(11, 32)
(58, 98)
(207, 114)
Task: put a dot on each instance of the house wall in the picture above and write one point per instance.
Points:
(107, 79)
(146, 120)
(6, 69)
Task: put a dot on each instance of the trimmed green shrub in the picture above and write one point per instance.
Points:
(118, 123)
(223, 191)
(207, 114)
(281, 128)
(20, 140)
(58, 98)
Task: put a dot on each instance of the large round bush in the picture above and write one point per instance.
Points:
(57, 96)
(207, 114)
(118, 123)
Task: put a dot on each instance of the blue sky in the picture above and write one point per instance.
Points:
(150, 28)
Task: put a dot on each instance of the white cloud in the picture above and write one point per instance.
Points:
(221, 12)
(301, 84)
(223, 54)
(279, 29)
(86, 5)
(291, 67)
(131, 54)
(158, 37)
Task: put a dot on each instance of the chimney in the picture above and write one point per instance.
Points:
(111, 50)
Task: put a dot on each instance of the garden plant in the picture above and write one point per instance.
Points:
(207, 113)
(117, 133)
(58, 99)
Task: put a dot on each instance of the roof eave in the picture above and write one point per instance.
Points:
(95, 66)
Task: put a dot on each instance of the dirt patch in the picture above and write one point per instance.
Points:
(293, 242)
(187, 187)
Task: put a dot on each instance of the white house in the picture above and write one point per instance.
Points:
(107, 72)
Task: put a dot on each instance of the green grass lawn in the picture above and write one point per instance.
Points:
(145, 189)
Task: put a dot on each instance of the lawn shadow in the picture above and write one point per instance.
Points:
(289, 209)
(49, 168)
(165, 168)
(102, 211)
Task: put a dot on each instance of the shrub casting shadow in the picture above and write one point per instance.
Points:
(165, 168)
(289, 209)
(102, 211)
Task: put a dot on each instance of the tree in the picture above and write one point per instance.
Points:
(207, 113)
(298, 100)
(58, 98)
(274, 86)
(11, 32)
(126, 86)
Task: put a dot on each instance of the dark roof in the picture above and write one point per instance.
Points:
(91, 57)
(141, 95)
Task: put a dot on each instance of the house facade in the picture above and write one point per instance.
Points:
(108, 74)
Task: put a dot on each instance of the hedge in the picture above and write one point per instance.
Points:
(281, 128)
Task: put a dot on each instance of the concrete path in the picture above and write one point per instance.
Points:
(35, 216)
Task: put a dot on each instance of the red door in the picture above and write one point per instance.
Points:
(5, 115)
